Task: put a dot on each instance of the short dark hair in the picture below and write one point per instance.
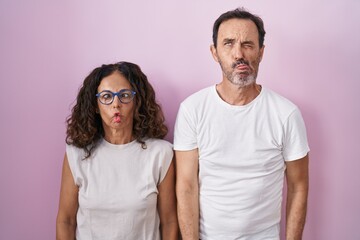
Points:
(84, 125)
(239, 13)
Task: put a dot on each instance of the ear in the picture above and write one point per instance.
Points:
(97, 110)
(261, 52)
(214, 52)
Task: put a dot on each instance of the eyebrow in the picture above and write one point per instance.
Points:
(248, 42)
(228, 40)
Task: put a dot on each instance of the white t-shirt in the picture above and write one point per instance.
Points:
(242, 150)
(118, 189)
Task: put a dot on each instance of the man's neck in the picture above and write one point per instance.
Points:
(235, 95)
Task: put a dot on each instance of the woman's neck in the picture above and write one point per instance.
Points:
(118, 136)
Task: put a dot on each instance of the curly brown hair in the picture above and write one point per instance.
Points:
(84, 125)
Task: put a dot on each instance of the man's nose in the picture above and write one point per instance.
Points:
(238, 51)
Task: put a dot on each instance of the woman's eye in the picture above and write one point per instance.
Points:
(106, 96)
(125, 95)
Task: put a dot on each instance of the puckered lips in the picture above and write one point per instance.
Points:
(242, 67)
(117, 118)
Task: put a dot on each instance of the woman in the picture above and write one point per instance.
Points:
(118, 176)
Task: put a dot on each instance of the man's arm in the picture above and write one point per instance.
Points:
(187, 192)
(297, 192)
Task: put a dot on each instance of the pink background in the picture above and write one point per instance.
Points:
(47, 48)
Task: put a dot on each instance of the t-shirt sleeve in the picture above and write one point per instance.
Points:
(295, 140)
(166, 160)
(72, 154)
(185, 130)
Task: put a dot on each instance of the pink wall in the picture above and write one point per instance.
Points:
(46, 49)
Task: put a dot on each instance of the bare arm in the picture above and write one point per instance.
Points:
(68, 206)
(297, 192)
(187, 192)
(167, 206)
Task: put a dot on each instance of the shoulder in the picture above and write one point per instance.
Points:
(279, 102)
(73, 150)
(155, 144)
(159, 150)
(197, 96)
(194, 104)
(74, 156)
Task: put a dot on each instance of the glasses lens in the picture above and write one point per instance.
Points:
(126, 96)
(106, 97)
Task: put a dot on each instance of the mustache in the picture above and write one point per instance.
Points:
(238, 62)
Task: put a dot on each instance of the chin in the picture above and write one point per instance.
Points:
(243, 82)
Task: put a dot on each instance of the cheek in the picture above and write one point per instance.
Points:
(103, 111)
(225, 62)
(131, 110)
(255, 63)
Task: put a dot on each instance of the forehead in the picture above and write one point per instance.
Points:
(242, 29)
(114, 82)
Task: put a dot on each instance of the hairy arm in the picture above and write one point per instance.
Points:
(187, 192)
(297, 192)
(68, 205)
(167, 206)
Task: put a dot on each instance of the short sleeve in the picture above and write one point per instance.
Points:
(73, 157)
(295, 139)
(166, 160)
(185, 137)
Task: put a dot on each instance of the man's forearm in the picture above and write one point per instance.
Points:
(295, 214)
(188, 214)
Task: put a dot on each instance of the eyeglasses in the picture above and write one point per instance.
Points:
(107, 97)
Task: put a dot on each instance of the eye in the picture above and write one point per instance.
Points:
(248, 46)
(106, 96)
(125, 95)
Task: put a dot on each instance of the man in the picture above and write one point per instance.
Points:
(234, 141)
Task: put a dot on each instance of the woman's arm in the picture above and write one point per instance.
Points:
(68, 206)
(167, 206)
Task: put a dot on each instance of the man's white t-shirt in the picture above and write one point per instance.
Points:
(242, 150)
(118, 189)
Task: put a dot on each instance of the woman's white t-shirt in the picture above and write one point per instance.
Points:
(118, 189)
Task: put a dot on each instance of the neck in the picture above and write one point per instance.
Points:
(118, 136)
(238, 96)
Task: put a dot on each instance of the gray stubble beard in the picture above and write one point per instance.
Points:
(236, 79)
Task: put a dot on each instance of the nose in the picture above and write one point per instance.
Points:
(116, 102)
(238, 51)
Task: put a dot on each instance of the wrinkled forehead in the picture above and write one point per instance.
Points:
(238, 29)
